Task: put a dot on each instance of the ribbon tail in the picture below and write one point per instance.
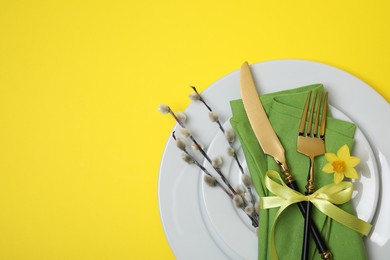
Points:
(273, 252)
(342, 217)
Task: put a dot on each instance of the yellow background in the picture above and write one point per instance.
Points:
(80, 136)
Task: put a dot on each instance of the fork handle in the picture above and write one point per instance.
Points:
(320, 243)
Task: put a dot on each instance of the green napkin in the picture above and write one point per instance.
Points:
(284, 110)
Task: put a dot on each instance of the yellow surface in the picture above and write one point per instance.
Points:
(80, 137)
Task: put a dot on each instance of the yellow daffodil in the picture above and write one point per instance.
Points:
(341, 164)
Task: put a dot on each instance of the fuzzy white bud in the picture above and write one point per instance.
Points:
(210, 180)
(230, 151)
(217, 162)
(246, 180)
(229, 134)
(213, 116)
(180, 144)
(185, 132)
(188, 159)
(249, 210)
(247, 196)
(238, 201)
(257, 207)
(181, 117)
(164, 109)
(194, 96)
(240, 189)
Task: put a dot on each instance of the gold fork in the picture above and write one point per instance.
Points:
(312, 144)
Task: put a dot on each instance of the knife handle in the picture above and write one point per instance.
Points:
(320, 243)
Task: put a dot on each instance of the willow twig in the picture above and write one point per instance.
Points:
(229, 137)
(211, 181)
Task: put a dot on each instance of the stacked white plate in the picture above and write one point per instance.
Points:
(201, 223)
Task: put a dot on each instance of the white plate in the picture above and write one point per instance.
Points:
(187, 224)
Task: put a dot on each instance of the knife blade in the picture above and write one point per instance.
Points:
(270, 143)
(258, 119)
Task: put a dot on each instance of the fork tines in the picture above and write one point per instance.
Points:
(312, 111)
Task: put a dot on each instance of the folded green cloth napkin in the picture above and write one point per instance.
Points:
(284, 110)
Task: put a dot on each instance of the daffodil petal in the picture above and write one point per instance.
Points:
(328, 168)
(330, 157)
(338, 177)
(351, 173)
(352, 161)
(343, 152)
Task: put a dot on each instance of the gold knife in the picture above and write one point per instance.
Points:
(270, 143)
(258, 119)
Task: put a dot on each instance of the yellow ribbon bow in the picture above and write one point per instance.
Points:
(323, 199)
